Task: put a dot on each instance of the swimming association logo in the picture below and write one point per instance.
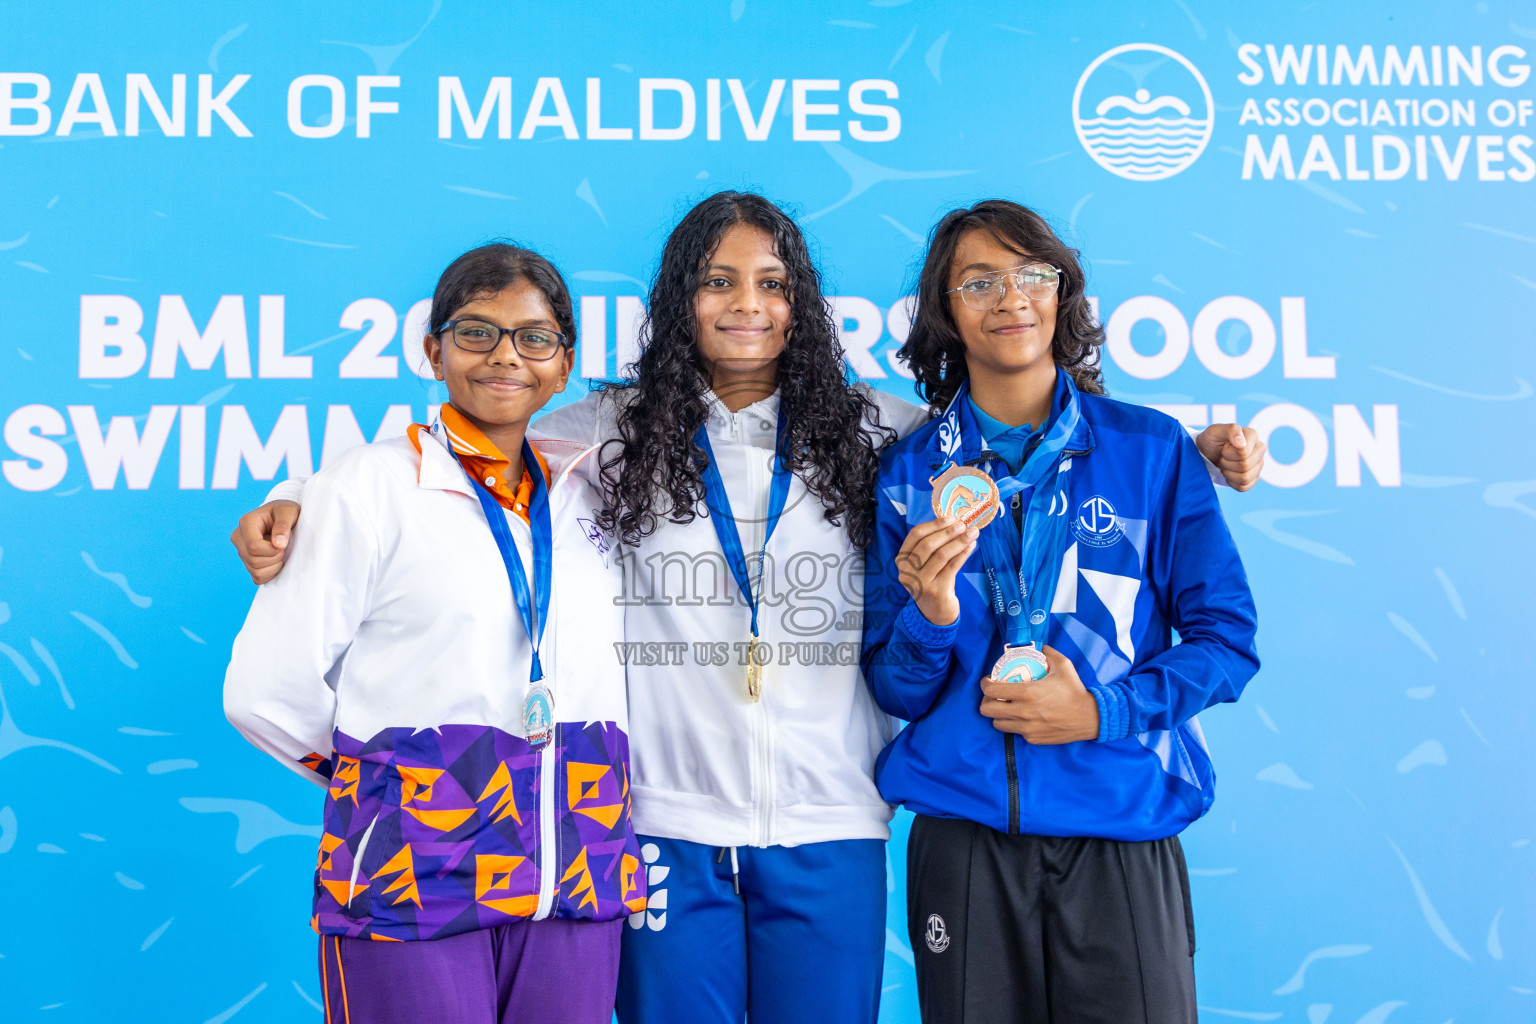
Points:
(1143, 112)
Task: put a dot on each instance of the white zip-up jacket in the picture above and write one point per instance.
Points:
(710, 765)
(387, 662)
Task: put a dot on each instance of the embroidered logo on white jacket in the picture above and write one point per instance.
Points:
(595, 534)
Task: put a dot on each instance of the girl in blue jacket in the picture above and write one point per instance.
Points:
(1036, 545)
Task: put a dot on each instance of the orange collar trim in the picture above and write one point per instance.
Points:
(481, 457)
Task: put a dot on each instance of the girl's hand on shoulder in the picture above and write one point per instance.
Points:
(1236, 451)
(261, 538)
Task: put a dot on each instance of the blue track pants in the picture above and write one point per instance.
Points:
(780, 935)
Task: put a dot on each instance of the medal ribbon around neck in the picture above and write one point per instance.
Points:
(532, 608)
(1023, 571)
(725, 522)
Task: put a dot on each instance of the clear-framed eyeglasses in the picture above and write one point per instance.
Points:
(1034, 281)
(533, 343)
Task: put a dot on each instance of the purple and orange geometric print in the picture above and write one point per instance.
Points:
(433, 832)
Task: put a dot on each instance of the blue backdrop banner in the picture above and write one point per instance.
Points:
(221, 223)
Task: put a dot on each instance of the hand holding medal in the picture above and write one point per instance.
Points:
(928, 562)
(1052, 708)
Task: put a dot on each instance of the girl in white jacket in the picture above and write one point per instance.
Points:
(439, 656)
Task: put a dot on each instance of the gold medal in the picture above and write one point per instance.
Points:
(967, 493)
(754, 672)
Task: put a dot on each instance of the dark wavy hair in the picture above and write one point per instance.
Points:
(487, 269)
(653, 470)
(934, 350)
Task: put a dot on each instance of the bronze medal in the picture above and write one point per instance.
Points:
(966, 493)
(1020, 664)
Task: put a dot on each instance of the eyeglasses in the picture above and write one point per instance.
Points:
(1034, 281)
(534, 343)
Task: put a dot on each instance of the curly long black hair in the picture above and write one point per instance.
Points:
(653, 471)
(934, 350)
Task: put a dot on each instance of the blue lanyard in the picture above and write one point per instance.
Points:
(543, 553)
(1023, 571)
(720, 507)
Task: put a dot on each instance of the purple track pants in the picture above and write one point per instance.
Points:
(532, 972)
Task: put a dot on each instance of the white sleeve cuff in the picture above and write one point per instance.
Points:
(287, 490)
(1210, 467)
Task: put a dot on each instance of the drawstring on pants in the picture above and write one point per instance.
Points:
(735, 867)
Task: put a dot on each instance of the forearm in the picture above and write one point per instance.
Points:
(279, 706)
(908, 669)
(276, 690)
(1171, 688)
(1194, 566)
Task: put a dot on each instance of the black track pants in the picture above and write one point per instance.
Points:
(1048, 930)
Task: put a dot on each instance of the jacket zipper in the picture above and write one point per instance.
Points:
(548, 848)
(1008, 738)
(1010, 759)
(1013, 784)
(757, 490)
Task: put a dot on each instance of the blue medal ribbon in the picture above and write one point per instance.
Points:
(1023, 571)
(720, 507)
(533, 608)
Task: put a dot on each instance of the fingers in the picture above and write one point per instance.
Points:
(284, 515)
(922, 530)
(1226, 440)
(950, 569)
(1003, 716)
(947, 559)
(1008, 705)
(928, 570)
(1244, 448)
(252, 536)
(261, 567)
(998, 691)
(261, 538)
(1059, 670)
(1242, 467)
(934, 554)
(1002, 711)
(925, 538)
(265, 571)
(1211, 440)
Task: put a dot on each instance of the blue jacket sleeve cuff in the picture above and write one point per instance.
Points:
(1114, 715)
(924, 632)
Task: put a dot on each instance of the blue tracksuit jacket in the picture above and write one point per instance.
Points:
(1149, 554)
